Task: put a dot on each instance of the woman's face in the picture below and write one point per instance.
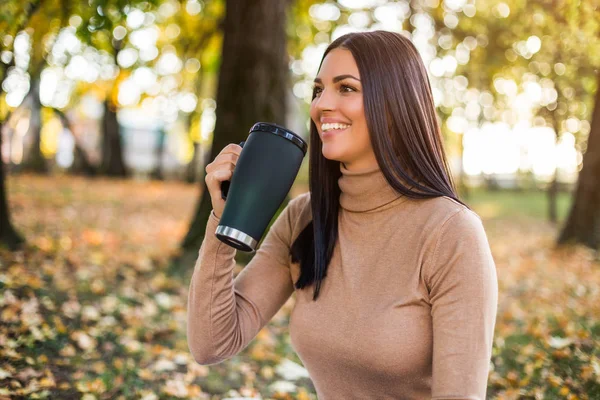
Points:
(337, 111)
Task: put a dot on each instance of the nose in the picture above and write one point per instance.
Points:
(326, 101)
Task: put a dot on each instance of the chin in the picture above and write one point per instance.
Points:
(332, 155)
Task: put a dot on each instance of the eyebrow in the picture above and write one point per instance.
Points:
(338, 78)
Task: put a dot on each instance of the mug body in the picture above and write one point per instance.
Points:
(265, 171)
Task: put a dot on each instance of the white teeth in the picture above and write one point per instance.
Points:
(327, 127)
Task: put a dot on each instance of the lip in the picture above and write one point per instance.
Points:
(329, 120)
(332, 132)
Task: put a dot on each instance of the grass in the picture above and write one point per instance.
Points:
(516, 204)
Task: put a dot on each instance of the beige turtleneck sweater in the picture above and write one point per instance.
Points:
(407, 310)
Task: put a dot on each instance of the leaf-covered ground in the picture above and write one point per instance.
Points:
(93, 309)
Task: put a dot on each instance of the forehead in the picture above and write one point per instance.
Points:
(338, 62)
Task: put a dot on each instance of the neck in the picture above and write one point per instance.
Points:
(364, 189)
(368, 165)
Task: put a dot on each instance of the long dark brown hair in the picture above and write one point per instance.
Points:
(404, 132)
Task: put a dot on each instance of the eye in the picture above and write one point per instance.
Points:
(317, 90)
(346, 88)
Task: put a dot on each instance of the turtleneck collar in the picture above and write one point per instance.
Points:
(364, 190)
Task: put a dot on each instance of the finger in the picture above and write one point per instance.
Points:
(219, 179)
(221, 164)
(231, 157)
(213, 181)
(232, 148)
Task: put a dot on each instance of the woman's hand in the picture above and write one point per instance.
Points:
(218, 171)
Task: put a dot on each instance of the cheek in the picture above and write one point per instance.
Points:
(356, 113)
(359, 123)
(313, 111)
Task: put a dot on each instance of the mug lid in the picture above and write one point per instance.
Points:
(281, 131)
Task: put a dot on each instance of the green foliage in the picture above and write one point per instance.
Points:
(14, 17)
(569, 37)
(101, 17)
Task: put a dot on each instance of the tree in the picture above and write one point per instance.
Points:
(42, 27)
(81, 162)
(550, 45)
(198, 42)
(8, 234)
(12, 20)
(567, 32)
(253, 83)
(100, 21)
(583, 223)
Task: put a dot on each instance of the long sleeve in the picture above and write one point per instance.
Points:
(224, 314)
(464, 297)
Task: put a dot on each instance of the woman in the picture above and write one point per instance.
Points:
(396, 288)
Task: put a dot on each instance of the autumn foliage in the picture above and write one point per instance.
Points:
(94, 308)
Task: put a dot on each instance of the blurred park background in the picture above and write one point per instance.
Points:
(110, 109)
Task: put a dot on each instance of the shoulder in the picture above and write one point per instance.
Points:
(300, 201)
(298, 206)
(446, 212)
(458, 243)
(458, 229)
(451, 228)
(298, 213)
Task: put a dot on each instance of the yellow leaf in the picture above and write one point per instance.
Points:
(84, 341)
(145, 374)
(9, 315)
(303, 395)
(512, 377)
(555, 380)
(64, 385)
(47, 382)
(267, 372)
(60, 327)
(587, 371)
(98, 367)
(97, 386)
(67, 351)
(118, 363)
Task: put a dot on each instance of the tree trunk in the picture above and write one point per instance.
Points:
(35, 161)
(157, 172)
(253, 81)
(81, 162)
(583, 223)
(112, 163)
(191, 171)
(9, 237)
(193, 168)
(552, 192)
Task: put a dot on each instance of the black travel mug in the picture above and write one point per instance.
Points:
(264, 173)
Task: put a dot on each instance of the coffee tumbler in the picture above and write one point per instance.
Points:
(264, 173)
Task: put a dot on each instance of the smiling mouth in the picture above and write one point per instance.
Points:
(333, 127)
